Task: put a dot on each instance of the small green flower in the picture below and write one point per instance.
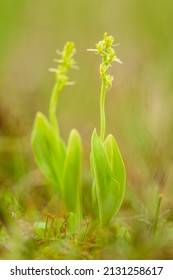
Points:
(104, 48)
(105, 45)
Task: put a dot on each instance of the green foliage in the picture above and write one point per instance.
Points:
(109, 176)
(62, 165)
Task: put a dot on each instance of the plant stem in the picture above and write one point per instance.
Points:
(157, 214)
(53, 102)
(102, 110)
(46, 226)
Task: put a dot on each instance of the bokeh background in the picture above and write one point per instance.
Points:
(139, 106)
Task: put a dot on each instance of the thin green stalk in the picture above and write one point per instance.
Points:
(79, 209)
(53, 103)
(51, 226)
(102, 110)
(157, 214)
(46, 226)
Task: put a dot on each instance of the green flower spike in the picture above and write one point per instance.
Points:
(104, 48)
(64, 64)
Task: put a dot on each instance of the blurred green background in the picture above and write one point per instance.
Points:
(139, 106)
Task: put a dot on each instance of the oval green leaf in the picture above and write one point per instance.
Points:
(117, 167)
(72, 174)
(49, 150)
(107, 188)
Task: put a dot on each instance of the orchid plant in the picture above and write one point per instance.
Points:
(107, 165)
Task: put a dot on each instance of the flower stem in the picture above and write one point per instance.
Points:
(102, 110)
(53, 103)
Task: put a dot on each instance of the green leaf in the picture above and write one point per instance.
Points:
(107, 188)
(71, 221)
(72, 174)
(49, 150)
(117, 167)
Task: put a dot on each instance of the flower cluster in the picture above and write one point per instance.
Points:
(65, 63)
(105, 49)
